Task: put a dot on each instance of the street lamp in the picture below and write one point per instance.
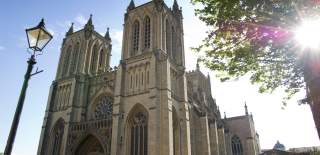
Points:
(38, 38)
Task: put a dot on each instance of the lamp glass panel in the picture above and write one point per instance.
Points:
(44, 38)
(32, 37)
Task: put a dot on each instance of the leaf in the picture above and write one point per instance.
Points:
(254, 37)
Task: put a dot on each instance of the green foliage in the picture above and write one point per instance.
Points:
(255, 37)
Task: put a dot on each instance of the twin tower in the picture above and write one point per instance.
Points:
(147, 105)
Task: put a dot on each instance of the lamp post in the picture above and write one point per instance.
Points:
(38, 38)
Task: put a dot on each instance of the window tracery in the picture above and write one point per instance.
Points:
(94, 58)
(147, 30)
(136, 31)
(57, 136)
(101, 58)
(66, 61)
(168, 38)
(139, 134)
(103, 109)
(236, 146)
(75, 57)
(173, 43)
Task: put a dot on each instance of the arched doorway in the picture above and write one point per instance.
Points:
(90, 146)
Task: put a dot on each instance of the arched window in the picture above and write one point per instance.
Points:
(168, 38)
(136, 31)
(147, 77)
(103, 109)
(101, 58)
(66, 61)
(75, 57)
(137, 79)
(131, 82)
(56, 137)
(139, 134)
(236, 146)
(94, 58)
(147, 30)
(142, 77)
(173, 43)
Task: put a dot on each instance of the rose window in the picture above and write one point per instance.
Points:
(103, 109)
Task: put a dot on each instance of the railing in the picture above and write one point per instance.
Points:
(95, 124)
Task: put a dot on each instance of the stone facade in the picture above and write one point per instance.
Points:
(148, 105)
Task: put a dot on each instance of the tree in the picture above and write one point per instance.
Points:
(256, 37)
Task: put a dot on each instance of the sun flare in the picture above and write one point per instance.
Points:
(308, 34)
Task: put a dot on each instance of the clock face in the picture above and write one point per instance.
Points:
(103, 109)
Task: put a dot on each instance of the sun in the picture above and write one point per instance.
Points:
(308, 34)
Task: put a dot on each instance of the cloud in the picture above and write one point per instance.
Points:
(116, 36)
(80, 19)
(51, 31)
(61, 27)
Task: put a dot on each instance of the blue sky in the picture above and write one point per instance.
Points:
(293, 126)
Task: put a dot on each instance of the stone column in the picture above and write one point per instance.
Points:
(222, 143)
(205, 148)
(185, 118)
(251, 146)
(214, 145)
(117, 119)
(164, 103)
(185, 132)
(228, 142)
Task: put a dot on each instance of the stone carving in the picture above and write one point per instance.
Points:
(103, 109)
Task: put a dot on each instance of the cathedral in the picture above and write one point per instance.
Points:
(147, 105)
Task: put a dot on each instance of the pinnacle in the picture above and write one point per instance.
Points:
(70, 31)
(107, 36)
(131, 6)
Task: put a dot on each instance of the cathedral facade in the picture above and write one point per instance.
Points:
(147, 105)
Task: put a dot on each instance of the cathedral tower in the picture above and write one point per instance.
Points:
(150, 96)
(83, 71)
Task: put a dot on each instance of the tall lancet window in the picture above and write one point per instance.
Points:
(101, 59)
(147, 31)
(174, 43)
(135, 38)
(139, 134)
(56, 137)
(168, 38)
(236, 146)
(75, 57)
(94, 58)
(66, 61)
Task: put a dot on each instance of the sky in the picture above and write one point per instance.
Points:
(293, 126)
